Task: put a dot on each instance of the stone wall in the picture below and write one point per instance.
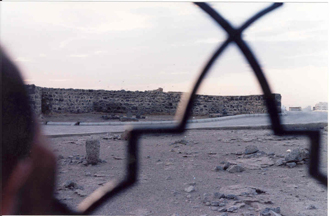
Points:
(53, 100)
(35, 94)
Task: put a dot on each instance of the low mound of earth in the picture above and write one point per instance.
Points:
(202, 172)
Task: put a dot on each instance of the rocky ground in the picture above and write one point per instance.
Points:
(202, 172)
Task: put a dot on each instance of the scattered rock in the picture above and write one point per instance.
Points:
(225, 164)
(222, 210)
(250, 149)
(291, 164)
(248, 214)
(218, 168)
(215, 203)
(310, 207)
(182, 142)
(218, 195)
(224, 214)
(270, 211)
(189, 189)
(92, 151)
(280, 162)
(206, 197)
(214, 208)
(80, 192)
(231, 196)
(70, 185)
(241, 205)
(232, 209)
(235, 169)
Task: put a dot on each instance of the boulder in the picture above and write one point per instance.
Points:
(297, 155)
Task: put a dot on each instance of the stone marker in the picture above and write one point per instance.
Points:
(92, 151)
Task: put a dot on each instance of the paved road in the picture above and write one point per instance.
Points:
(256, 121)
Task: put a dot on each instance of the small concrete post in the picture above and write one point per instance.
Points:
(92, 151)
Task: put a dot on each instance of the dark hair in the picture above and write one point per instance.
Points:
(17, 117)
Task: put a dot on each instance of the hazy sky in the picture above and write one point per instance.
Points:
(143, 46)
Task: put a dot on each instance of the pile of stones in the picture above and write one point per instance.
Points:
(294, 157)
(227, 166)
(220, 202)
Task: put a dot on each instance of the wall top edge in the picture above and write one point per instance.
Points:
(146, 91)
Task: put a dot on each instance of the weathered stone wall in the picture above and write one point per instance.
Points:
(35, 93)
(148, 102)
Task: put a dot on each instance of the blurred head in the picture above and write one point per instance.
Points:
(17, 118)
(28, 166)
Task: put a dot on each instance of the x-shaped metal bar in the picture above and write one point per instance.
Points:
(235, 36)
(103, 194)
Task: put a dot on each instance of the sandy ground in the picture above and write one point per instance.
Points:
(168, 170)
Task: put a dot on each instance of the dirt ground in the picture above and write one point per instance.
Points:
(178, 175)
(97, 117)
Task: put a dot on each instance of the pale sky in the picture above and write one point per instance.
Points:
(146, 45)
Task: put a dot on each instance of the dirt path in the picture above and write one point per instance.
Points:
(169, 171)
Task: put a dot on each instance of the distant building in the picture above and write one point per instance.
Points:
(321, 106)
(307, 109)
(294, 108)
